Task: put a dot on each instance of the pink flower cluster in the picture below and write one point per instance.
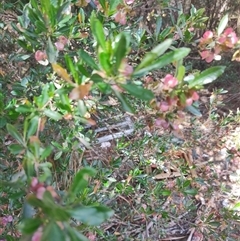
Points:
(5, 220)
(211, 45)
(61, 43)
(41, 56)
(125, 69)
(37, 235)
(121, 15)
(171, 102)
(39, 189)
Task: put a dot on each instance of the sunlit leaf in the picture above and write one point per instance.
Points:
(104, 59)
(97, 30)
(164, 60)
(180, 72)
(120, 49)
(207, 76)
(61, 72)
(236, 207)
(72, 67)
(150, 57)
(222, 25)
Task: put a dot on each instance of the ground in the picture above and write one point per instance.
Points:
(161, 186)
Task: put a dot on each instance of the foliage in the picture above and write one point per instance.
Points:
(79, 55)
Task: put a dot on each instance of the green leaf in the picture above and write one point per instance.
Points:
(104, 59)
(46, 152)
(91, 215)
(207, 76)
(41, 27)
(3, 122)
(15, 134)
(97, 78)
(53, 232)
(103, 4)
(180, 72)
(35, 202)
(80, 180)
(30, 225)
(120, 49)
(24, 109)
(15, 149)
(51, 52)
(138, 91)
(126, 106)
(32, 126)
(236, 207)
(193, 110)
(27, 211)
(83, 71)
(192, 191)
(72, 68)
(52, 114)
(88, 59)
(57, 155)
(158, 26)
(222, 25)
(166, 192)
(154, 53)
(75, 235)
(163, 61)
(97, 30)
(29, 167)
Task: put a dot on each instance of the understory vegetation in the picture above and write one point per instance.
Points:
(119, 120)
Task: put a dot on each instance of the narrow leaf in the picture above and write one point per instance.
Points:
(120, 49)
(51, 52)
(126, 106)
(52, 114)
(88, 59)
(138, 92)
(222, 25)
(154, 53)
(80, 180)
(163, 61)
(104, 59)
(15, 134)
(97, 30)
(207, 76)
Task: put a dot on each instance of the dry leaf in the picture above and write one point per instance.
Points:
(91, 122)
(42, 123)
(33, 139)
(112, 101)
(79, 92)
(167, 175)
(61, 72)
